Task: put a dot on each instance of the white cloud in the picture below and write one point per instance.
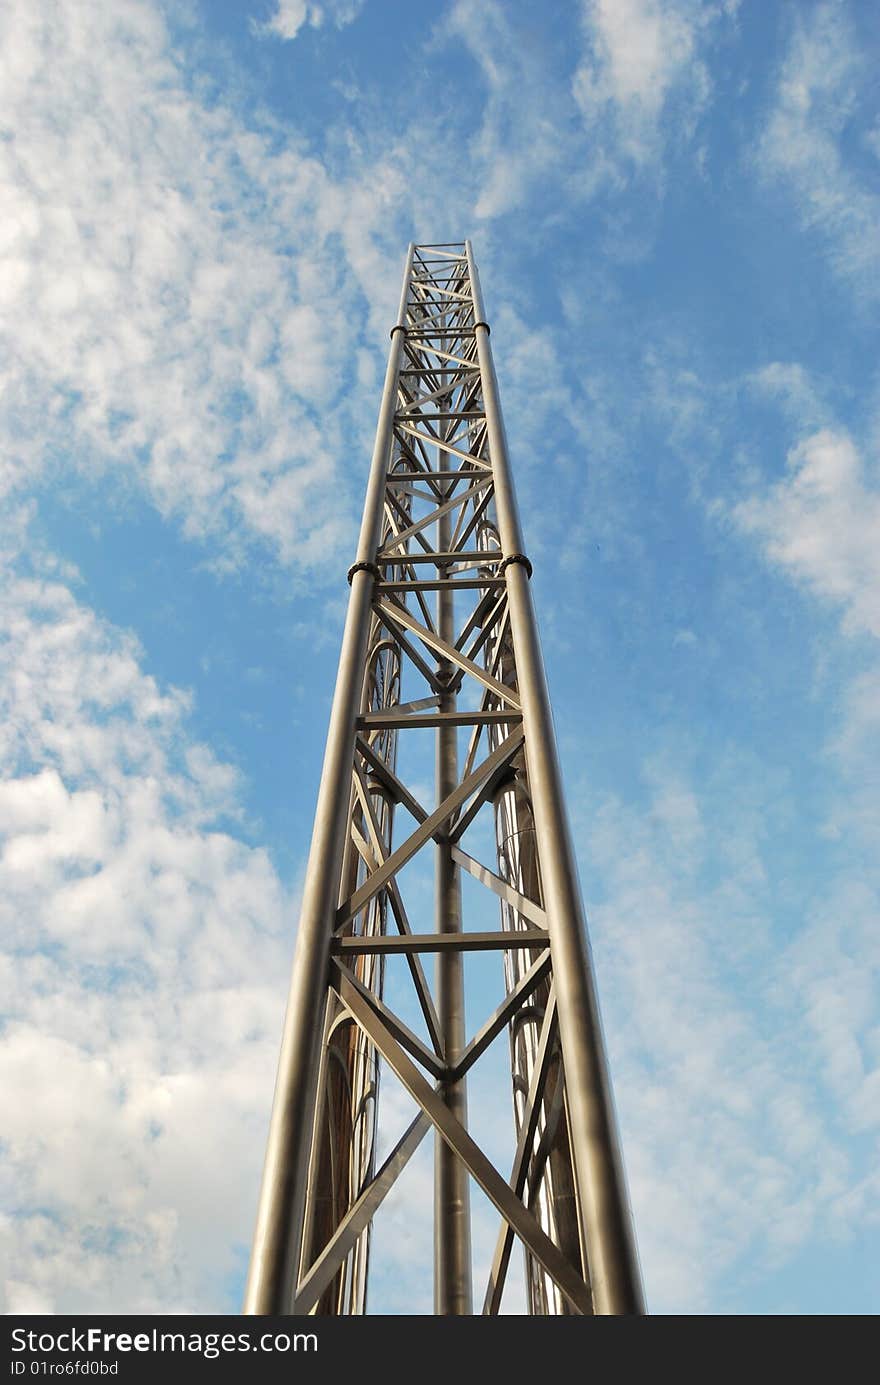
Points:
(643, 44)
(288, 19)
(142, 946)
(521, 138)
(797, 393)
(834, 970)
(807, 140)
(544, 127)
(732, 1153)
(639, 54)
(289, 16)
(820, 525)
(859, 741)
(183, 288)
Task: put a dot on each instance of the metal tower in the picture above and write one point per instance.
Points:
(440, 605)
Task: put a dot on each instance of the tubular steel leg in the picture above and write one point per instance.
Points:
(452, 1234)
(608, 1235)
(547, 1166)
(278, 1236)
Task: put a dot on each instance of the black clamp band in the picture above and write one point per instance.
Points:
(516, 558)
(398, 327)
(481, 323)
(363, 567)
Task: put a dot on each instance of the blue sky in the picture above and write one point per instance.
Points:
(674, 207)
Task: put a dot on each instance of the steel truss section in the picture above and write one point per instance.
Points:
(440, 603)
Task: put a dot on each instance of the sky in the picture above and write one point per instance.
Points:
(674, 206)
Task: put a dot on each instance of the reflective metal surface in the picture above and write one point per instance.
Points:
(452, 1237)
(441, 634)
(344, 1138)
(549, 1177)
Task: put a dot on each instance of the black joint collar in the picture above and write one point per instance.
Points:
(363, 567)
(516, 558)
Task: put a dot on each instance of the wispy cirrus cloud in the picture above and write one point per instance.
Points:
(741, 1001)
(640, 57)
(180, 285)
(588, 116)
(817, 527)
(521, 137)
(819, 142)
(734, 1156)
(797, 393)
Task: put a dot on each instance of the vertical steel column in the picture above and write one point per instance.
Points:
(608, 1235)
(277, 1239)
(452, 1230)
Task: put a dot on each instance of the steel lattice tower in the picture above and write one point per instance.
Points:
(440, 595)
